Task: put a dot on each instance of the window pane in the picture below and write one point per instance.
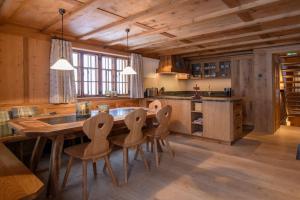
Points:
(75, 59)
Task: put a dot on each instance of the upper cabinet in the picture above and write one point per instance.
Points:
(210, 69)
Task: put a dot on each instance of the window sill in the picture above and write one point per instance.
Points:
(103, 98)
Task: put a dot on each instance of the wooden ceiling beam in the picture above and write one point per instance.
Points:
(156, 10)
(244, 16)
(224, 38)
(249, 42)
(87, 7)
(118, 17)
(222, 29)
(9, 8)
(231, 50)
(199, 19)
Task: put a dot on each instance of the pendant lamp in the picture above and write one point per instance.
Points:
(62, 63)
(128, 70)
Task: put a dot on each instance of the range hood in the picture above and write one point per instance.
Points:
(171, 65)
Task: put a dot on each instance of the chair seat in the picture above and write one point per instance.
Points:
(120, 140)
(150, 132)
(77, 151)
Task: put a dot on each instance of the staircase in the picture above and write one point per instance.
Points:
(290, 71)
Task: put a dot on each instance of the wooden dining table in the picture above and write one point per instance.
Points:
(56, 128)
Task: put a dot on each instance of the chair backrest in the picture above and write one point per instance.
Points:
(4, 116)
(135, 122)
(97, 129)
(24, 111)
(163, 117)
(155, 106)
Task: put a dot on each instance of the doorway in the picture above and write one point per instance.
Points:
(287, 88)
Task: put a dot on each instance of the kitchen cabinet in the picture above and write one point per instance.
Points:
(181, 116)
(222, 119)
(211, 68)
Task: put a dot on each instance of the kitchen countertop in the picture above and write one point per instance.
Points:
(221, 98)
(202, 98)
(172, 97)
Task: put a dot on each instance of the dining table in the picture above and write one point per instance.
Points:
(56, 127)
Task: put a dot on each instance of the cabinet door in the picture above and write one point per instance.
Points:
(216, 120)
(181, 116)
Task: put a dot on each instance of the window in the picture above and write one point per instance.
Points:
(98, 74)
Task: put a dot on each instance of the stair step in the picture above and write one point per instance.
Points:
(290, 64)
(294, 56)
(290, 82)
(290, 76)
(291, 70)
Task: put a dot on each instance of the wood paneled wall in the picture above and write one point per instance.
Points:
(24, 65)
(264, 90)
(242, 81)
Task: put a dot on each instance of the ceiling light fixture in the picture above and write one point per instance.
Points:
(62, 63)
(128, 70)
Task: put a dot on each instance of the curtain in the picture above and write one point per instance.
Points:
(62, 83)
(136, 81)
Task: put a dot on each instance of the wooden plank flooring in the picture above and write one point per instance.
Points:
(256, 167)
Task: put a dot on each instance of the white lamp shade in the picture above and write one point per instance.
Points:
(128, 71)
(62, 64)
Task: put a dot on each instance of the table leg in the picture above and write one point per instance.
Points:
(54, 166)
(37, 152)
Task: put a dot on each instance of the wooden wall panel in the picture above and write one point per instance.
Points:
(38, 59)
(11, 69)
(242, 82)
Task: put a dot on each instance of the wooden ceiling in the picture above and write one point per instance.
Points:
(185, 27)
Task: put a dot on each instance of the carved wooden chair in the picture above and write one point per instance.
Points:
(134, 122)
(96, 129)
(155, 106)
(160, 133)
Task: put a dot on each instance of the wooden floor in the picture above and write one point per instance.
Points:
(257, 167)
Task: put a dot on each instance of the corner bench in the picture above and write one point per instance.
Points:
(16, 180)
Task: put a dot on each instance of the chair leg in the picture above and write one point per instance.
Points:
(151, 143)
(156, 152)
(84, 180)
(111, 173)
(125, 164)
(136, 153)
(95, 168)
(162, 142)
(169, 148)
(147, 145)
(143, 157)
(67, 171)
(81, 139)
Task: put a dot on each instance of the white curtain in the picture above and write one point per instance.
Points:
(136, 81)
(62, 83)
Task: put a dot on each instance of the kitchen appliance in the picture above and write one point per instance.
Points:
(171, 65)
(151, 92)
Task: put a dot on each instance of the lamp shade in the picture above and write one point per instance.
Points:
(62, 64)
(128, 71)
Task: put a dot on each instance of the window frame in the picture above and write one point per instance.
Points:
(80, 72)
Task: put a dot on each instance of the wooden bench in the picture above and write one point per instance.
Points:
(16, 180)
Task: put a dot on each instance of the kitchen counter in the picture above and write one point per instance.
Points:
(206, 98)
(171, 97)
(221, 99)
